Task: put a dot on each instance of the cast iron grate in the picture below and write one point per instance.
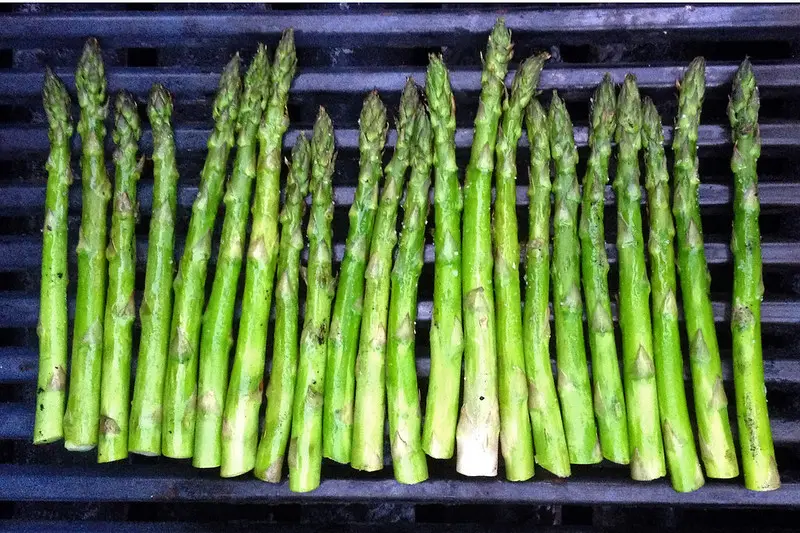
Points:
(344, 51)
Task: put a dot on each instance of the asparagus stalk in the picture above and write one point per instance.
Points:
(647, 451)
(478, 428)
(144, 434)
(711, 403)
(83, 404)
(180, 381)
(550, 442)
(246, 387)
(120, 306)
(402, 393)
(347, 309)
(305, 446)
(280, 391)
(216, 335)
(52, 384)
(682, 460)
(574, 388)
(609, 401)
(369, 411)
(446, 336)
(516, 441)
(755, 436)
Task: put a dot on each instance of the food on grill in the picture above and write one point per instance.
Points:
(609, 400)
(321, 399)
(549, 440)
(369, 409)
(346, 320)
(574, 389)
(711, 404)
(402, 393)
(516, 441)
(216, 336)
(446, 335)
(478, 430)
(682, 460)
(305, 445)
(52, 383)
(144, 434)
(283, 374)
(180, 381)
(83, 404)
(755, 436)
(240, 418)
(112, 444)
(647, 450)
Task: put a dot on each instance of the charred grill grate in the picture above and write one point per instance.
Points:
(343, 52)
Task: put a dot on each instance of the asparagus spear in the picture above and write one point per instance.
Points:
(446, 336)
(120, 306)
(609, 401)
(711, 403)
(478, 428)
(280, 391)
(647, 451)
(402, 393)
(755, 436)
(83, 404)
(305, 446)
(516, 442)
(216, 335)
(682, 460)
(52, 330)
(180, 382)
(144, 434)
(574, 388)
(346, 319)
(550, 442)
(370, 407)
(246, 387)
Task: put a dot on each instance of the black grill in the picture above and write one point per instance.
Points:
(343, 52)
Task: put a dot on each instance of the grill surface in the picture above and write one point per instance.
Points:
(344, 51)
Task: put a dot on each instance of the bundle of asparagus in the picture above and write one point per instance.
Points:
(326, 385)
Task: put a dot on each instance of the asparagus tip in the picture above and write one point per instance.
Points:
(744, 103)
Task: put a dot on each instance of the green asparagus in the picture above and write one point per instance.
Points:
(120, 306)
(144, 434)
(83, 404)
(550, 442)
(280, 391)
(246, 387)
(370, 406)
(347, 308)
(180, 382)
(446, 336)
(641, 392)
(711, 403)
(682, 460)
(305, 446)
(609, 400)
(216, 336)
(402, 392)
(755, 436)
(574, 388)
(516, 441)
(478, 430)
(52, 384)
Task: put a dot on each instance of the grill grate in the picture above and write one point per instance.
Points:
(345, 51)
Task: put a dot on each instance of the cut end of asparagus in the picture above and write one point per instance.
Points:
(629, 113)
(159, 106)
(652, 132)
(372, 123)
(744, 103)
(90, 77)
(127, 127)
(604, 111)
